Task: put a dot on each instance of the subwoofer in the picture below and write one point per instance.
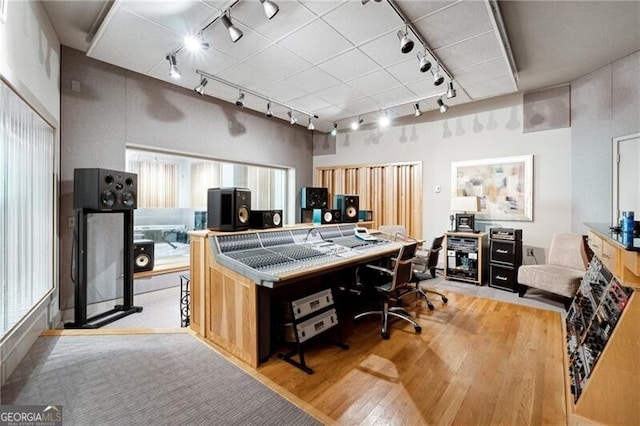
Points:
(143, 252)
(331, 216)
(104, 190)
(228, 209)
(348, 206)
(262, 219)
(314, 198)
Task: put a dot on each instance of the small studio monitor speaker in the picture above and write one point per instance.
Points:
(228, 209)
(348, 206)
(104, 190)
(331, 216)
(314, 198)
(262, 219)
(143, 251)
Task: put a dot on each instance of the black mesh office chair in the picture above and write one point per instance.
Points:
(392, 287)
(424, 263)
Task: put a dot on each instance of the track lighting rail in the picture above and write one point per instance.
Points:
(255, 94)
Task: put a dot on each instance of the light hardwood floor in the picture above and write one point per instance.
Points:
(477, 361)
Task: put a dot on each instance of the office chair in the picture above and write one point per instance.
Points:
(426, 260)
(392, 287)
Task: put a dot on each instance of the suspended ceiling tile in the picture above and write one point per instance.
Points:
(359, 23)
(217, 4)
(349, 65)
(133, 42)
(184, 17)
(331, 113)
(282, 91)
(385, 50)
(279, 61)
(471, 51)
(245, 75)
(426, 88)
(458, 22)
(418, 9)
(394, 96)
(360, 106)
(313, 80)
(210, 61)
(250, 43)
(289, 18)
(482, 72)
(374, 82)
(408, 71)
(316, 42)
(309, 103)
(321, 7)
(338, 95)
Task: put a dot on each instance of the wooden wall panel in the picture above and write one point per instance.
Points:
(392, 191)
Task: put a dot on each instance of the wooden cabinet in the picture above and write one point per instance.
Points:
(465, 256)
(601, 331)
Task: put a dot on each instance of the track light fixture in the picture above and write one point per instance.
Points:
(423, 63)
(174, 72)
(240, 101)
(406, 44)
(200, 87)
(270, 8)
(311, 126)
(385, 120)
(269, 114)
(451, 92)
(437, 78)
(334, 131)
(443, 107)
(417, 112)
(234, 32)
(355, 124)
(195, 43)
(292, 118)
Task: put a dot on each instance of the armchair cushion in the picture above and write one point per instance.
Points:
(551, 278)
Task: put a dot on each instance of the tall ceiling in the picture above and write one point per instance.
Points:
(341, 59)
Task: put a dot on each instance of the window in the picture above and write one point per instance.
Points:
(172, 196)
(26, 208)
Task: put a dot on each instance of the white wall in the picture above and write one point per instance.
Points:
(488, 129)
(30, 64)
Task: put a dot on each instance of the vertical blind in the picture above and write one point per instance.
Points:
(392, 191)
(26, 208)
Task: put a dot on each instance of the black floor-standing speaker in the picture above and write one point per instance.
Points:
(228, 209)
(348, 206)
(143, 255)
(505, 257)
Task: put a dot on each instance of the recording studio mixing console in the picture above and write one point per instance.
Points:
(271, 256)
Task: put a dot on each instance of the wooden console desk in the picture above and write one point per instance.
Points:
(232, 308)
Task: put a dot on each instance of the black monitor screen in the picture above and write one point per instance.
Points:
(465, 222)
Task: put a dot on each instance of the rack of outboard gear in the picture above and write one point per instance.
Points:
(304, 319)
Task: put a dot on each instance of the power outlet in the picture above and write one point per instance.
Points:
(530, 252)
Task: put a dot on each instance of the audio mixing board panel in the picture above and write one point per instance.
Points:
(267, 257)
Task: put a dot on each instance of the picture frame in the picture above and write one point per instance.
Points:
(504, 185)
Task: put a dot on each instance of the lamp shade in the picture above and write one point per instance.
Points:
(465, 204)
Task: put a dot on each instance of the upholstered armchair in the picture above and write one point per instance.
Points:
(566, 264)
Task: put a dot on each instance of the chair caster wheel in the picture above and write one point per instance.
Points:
(418, 329)
(445, 300)
(385, 336)
(430, 306)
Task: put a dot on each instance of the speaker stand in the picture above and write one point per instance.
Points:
(80, 305)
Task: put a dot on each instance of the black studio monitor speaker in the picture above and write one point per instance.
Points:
(228, 209)
(262, 219)
(331, 216)
(314, 198)
(104, 190)
(143, 252)
(348, 206)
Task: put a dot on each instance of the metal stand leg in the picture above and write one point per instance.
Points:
(185, 314)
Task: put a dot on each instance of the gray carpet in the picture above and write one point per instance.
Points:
(144, 379)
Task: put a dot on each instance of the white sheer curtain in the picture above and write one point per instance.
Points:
(157, 183)
(26, 208)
